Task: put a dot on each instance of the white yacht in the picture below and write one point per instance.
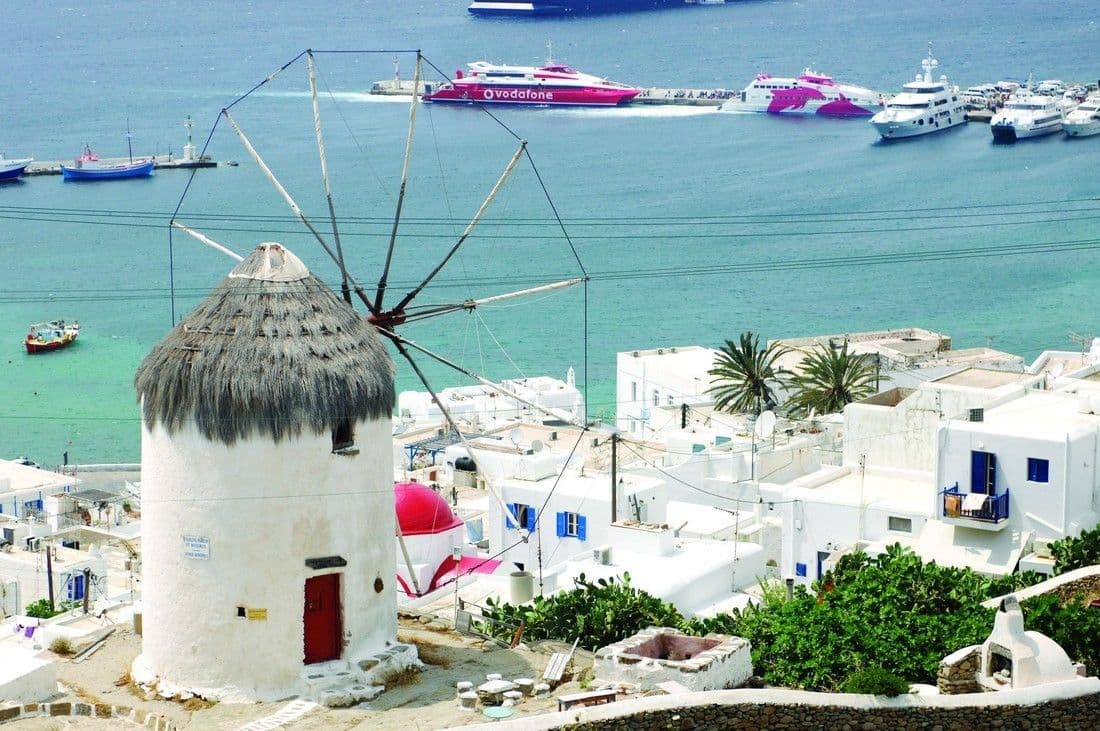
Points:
(1027, 114)
(1084, 121)
(923, 106)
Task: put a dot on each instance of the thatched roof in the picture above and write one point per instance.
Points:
(271, 351)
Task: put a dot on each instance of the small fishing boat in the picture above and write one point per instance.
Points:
(52, 335)
(12, 169)
(89, 167)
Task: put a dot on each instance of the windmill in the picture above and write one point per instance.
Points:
(388, 311)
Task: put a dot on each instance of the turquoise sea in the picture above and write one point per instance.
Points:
(693, 225)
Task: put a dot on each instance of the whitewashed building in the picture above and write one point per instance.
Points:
(268, 502)
(648, 380)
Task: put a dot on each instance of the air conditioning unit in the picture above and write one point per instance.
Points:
(553, 436)
(1041, 548)
(34, 544)
(602, 555)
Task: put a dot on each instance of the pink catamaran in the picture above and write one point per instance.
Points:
(551, 85)
(810, 93)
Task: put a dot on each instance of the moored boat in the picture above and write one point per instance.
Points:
(513, 8)
(12, 169)
(1084, 121)
(553, 84)
(88, 166)
(809, 93)
(53, 335)
(1027, 114)
(923, 106)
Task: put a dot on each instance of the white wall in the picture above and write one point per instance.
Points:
(679, 373)
(1052, 509)
(265, 508)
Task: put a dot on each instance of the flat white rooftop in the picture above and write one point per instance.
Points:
(1040, 414)
(887, 489)
(986, 378)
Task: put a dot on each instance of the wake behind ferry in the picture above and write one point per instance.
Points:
(551, 85)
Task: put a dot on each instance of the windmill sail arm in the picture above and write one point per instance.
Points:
(206, 240)
(473, 304)
(469, 227)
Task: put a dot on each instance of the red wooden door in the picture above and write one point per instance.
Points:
(323, 631)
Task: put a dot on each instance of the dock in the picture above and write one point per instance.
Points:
(160, 162)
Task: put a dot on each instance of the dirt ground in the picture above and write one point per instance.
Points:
(426, 701)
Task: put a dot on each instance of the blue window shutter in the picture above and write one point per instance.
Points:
(513, 508)
(530, 518)
(582, 527)
(800, 569)
(561, 524)
(992, 481)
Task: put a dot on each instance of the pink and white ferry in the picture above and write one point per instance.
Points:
(810, 93)
(551, 85)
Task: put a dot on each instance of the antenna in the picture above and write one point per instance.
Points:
(1084, 340)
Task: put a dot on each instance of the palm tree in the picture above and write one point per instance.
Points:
(829, 379)
(744, 375)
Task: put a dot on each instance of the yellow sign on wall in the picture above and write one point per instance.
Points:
(257, 614)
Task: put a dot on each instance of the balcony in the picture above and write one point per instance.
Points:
(974, 509)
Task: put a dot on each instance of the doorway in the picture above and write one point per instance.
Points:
(323, 633)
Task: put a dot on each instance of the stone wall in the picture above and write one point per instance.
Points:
(1067, 706)
(958, 672)
(1065, 586)
(87, 710)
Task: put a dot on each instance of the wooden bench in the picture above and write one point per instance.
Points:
(555, 668)
(591, 698)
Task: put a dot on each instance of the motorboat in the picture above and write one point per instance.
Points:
(923, 106)
(12, 169)
(1027, 114)
(88, 166)
(1084, 120)
(54, 335)
(809, 93)
(553, 84)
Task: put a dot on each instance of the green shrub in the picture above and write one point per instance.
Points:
(1075, 553)
(41, 608)
(875, 681)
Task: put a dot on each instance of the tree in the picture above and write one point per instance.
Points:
(744, 375)
(831, 378)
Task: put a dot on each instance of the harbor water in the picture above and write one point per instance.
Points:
(693, 225)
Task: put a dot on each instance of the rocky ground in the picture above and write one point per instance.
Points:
(425, 700)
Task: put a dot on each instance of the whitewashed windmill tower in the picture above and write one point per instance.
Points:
(267, 481)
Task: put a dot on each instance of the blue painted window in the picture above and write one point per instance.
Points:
(800, 569)
(520, 514)
(1038, 470)
(76, 586)
(572, 525)
(983, 473)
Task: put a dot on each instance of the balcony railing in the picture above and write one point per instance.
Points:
(964, 505)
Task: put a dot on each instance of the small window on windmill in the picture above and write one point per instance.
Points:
(343, 437)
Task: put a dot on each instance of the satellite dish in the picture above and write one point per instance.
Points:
(515, 435)
(536, 445)
(765, 424)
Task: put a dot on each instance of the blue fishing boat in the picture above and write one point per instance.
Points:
(12, 169)
(89, 167)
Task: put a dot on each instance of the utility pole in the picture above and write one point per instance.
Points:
(614, 477)
(49, 574)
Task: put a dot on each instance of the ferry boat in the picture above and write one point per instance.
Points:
(12, 169)
(551, 85)
(1084, 121)
(1027, 114)
(513, 8)
(810, 93)
(923, 106)
(52, 335)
